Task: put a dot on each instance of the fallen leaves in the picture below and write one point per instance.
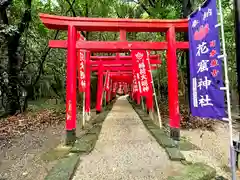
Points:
(190, 122)
(187, 120)
(15, 126)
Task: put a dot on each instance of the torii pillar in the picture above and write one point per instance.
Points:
(108, 93)
(71, 96)
(99, 89)
(88, 85)
(173, 102)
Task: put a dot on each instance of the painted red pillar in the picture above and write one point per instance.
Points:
(108, 93)
(71, 86)
(88, 84)
(173, 102)
(123, 35)
(78, 64)
(114, 94)
(99, 89)
(112, 90)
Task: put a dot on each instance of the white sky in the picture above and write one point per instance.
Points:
(54, 2)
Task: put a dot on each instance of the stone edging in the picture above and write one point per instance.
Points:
(192, 171)
(65, 168)
(159, 134)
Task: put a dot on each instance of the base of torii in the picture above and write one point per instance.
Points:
(175, 134)
(70, 137)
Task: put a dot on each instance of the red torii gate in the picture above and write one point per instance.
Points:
(100, 74)
(117, 77)
(72, 24)
(114, 65)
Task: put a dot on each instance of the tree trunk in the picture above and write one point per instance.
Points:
(13, 104)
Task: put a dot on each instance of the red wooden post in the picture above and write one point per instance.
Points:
(88, 84)
(78, 64)
(99, 89)
(108, 93)
(71, 86)
(115, 92)
(110, 90)
(174, 116)
(149, 98)
(123, 35)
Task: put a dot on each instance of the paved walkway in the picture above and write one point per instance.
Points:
(125, 150)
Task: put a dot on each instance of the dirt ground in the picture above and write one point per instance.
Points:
(214, 146)
(25, 138)
(21, 158)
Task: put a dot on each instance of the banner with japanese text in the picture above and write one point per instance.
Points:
(207, 100)
(81, 71)
(141, 67)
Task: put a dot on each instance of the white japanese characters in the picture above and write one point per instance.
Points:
(82, 70)
(139, 56)
(207, 14)
(202, 49)
(142, 72)
(204, 83)
(135, 85)
(195, 23)
(205, 101)
(203, 66)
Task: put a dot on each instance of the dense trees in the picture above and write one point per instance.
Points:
(31, 70)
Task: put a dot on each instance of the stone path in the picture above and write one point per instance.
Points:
(125, 150)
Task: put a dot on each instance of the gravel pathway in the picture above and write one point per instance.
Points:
(125, 150)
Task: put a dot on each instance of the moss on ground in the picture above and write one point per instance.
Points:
(56, 153)
(65, 168)
(69, 157)
(196, 171)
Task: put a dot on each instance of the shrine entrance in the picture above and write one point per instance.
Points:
(105, 66)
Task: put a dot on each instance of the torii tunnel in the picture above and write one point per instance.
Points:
(72, 44)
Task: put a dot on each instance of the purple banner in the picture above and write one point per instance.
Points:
(207, 100)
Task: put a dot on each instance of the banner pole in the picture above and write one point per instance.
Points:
(154, 93)
(232, 150)
(83, 116)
